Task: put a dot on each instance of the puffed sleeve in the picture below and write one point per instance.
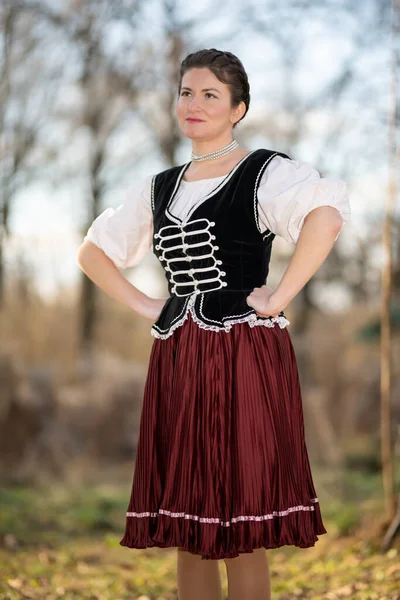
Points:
(289, 190)
(125, 234)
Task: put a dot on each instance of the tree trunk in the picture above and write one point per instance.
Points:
(386, 346)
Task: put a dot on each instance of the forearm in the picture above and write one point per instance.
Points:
(102, 271)
(316, 239)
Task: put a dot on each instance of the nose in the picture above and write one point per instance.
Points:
(190, 103)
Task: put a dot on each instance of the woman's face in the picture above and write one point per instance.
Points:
(206, 100)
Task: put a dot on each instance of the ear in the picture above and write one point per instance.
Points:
(238, 112)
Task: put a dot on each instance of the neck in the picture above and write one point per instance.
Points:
(200, 147)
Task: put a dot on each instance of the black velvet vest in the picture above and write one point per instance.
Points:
(216, 256)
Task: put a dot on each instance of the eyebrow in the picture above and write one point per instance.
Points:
(203, 90)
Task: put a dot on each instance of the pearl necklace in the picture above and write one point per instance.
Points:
(216, 153)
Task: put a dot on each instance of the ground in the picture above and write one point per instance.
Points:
(60, 542)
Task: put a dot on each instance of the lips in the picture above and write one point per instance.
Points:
(195, 120)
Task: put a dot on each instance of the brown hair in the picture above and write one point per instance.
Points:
(226, 67)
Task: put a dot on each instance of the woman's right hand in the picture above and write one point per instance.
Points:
(152, 307)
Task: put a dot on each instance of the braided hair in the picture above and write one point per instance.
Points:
(226, 67)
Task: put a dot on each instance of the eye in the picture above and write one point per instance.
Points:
(207, 94)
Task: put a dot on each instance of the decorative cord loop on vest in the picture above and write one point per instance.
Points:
(180, 254)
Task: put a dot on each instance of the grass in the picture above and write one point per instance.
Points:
(63, 543)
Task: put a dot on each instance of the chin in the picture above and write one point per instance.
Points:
(193, 135)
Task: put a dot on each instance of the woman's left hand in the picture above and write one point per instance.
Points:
(264, 303)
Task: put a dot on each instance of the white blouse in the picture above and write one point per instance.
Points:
(288, 191)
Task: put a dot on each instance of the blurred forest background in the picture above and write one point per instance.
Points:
(87, 100)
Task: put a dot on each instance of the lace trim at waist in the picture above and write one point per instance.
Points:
(252, 319)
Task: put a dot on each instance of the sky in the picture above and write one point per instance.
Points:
(47, 220)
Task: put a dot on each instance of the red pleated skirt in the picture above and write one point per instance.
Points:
(221, 465)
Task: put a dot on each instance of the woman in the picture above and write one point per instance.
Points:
(221, 470)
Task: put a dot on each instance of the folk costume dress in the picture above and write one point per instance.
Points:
(221, 466)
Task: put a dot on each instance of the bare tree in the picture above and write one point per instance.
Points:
(145, 83)
(386, 346)
(107, 93)
(27, 89)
